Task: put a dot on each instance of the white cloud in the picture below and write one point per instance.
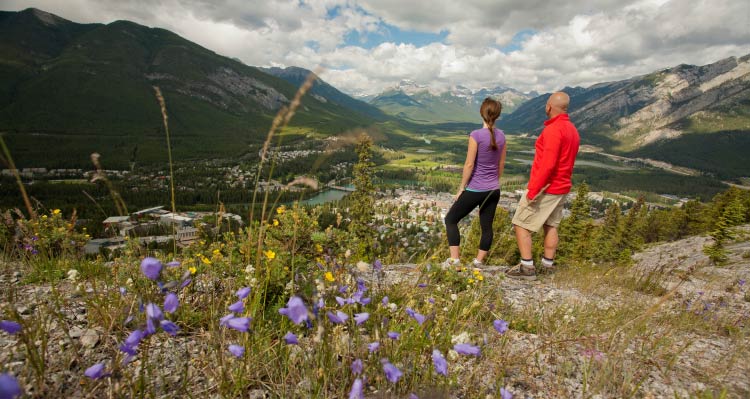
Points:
(570, 43)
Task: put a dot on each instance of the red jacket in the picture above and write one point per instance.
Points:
(556, 150)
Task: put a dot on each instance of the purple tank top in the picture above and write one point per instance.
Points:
(484, 176)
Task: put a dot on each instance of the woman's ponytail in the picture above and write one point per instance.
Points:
(490, 111)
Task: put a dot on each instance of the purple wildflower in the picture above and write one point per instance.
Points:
(365, 301)
(421, 285)
(385, 300)
(223, 321)
(243, 292)
(186, 282)
(741, 282)
(241, 324)
(170, 303)
(236, 350)
(153, 312)
(343, 288)
(418, 317)
(151, 267)
(95, 372)
(291, 339)
(361, 285)
(295, 310)
(150, 326)
(361, 317)
(356, 392)
(467, 349)
(441, 366)
(392, 373)
(500, 325)
(377, 265)
(131, 342)
(9, 387)
(173, 263)
(393, 335)
(413, 396)
(341, 301)
(11, 327)
(357, 367)
(505, 394)
(169, 327)
(123, 291)
(431, 300)
(338, 318)
(237, 307)
(372, 347)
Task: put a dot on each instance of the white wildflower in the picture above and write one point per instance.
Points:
(73, 275)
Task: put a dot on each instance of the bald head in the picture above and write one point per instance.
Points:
(557, 104)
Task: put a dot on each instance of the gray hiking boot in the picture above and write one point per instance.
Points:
(451, 264)
(477, 265)
(522, 272)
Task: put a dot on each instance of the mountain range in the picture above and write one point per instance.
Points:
(420, 104)
(694, 116)
(69, 89)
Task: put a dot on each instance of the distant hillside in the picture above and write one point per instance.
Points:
(68, 89)
(421, 105)
(656, 115)
(325, 92)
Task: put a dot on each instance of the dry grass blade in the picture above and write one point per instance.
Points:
(122, 209)
(12, 166)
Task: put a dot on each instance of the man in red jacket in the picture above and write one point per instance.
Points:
(549, 184)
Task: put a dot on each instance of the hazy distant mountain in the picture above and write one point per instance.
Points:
(420, 104)
(68, 89)
(326, 92)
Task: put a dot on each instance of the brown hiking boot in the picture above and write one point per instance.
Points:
(543, 269)
(522, 272)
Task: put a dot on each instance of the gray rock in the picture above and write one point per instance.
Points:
(89, 339)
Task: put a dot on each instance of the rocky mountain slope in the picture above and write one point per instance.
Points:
(325, 92)
(665, 104)
(421, 104)
(88, 87)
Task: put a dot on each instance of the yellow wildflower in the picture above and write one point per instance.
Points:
(329, 276)
(269, 254)
(280, 210)
(217, 251)
(480, 277)
(192, 269)
(318, 248)
(44, 216)
(275, 222)
(471, 281)
(205, 260)
(55, 211)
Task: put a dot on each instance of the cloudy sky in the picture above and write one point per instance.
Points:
(366, 46)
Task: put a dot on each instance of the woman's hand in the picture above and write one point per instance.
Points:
(458, 194)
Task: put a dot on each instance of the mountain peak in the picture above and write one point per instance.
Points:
(45, 17)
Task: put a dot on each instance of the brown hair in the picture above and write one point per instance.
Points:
(490, 111)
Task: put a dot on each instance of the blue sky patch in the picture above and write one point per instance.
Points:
(390, 33)
(518, 39)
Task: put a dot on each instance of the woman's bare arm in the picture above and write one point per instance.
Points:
(501, 164)
(471, 155)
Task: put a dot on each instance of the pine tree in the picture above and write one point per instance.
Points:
(610, 233)
(575, 243)
(732, 214)
(631, 230)
(363, 202)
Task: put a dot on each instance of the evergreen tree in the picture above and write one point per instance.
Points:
(363, 203)
(574, 231)
(610, 233)
(732, 214)
(631, 230)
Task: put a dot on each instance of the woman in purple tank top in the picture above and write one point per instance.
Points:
(480, 184)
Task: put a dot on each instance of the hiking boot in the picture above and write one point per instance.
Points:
(547, 269)
(477, 265)
(522, 272)
(451, 264)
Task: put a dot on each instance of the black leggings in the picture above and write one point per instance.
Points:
(466, 202)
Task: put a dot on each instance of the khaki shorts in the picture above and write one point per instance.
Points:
(546, 209)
